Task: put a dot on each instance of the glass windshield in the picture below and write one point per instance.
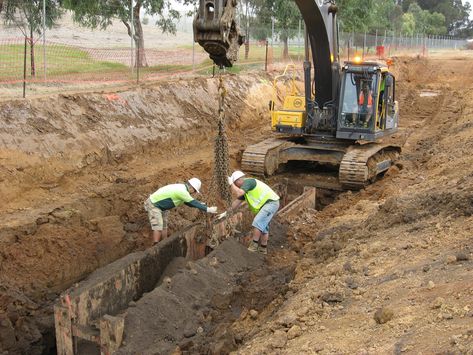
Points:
(358, 100)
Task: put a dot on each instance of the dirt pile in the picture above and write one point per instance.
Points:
(192, 309)
(75, 171)
(388, 270)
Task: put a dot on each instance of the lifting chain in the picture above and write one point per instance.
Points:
(221, 165)
(221, 157)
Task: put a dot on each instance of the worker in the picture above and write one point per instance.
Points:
(166, 198)
(365, 101)
(261, 200)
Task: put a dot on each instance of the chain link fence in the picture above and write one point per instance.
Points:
(41, 57)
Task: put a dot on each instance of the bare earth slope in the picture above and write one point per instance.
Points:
(389, 270)
(75, 170)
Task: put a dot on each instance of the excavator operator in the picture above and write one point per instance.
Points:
(365, 102)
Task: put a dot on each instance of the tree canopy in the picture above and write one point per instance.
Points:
(101, 13)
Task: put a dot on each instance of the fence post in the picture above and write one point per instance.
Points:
(266, 57)
(24, 68)
(44, 38)
(348, 48)
(138, 63)
(132, 27)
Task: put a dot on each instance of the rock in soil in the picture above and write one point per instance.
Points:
(294, 332)
(383, 315)
(279, 339)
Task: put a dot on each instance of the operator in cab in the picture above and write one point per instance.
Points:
(261, 200)
(168, 197)
(365, 100)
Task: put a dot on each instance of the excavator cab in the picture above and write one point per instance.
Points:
(367, 106)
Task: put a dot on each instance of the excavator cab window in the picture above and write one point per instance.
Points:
(358, 101)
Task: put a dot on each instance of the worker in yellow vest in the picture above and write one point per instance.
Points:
(168, 197)
(261, 200)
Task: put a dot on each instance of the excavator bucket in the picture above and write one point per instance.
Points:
(216, 30)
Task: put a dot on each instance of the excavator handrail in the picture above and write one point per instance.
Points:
(294, 90)
(293, 85)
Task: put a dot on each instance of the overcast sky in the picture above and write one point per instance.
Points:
(471, 12)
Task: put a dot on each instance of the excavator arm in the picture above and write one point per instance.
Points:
(216, 30)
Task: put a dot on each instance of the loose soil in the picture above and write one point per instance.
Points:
(381, 271)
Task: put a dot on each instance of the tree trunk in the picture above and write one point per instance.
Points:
(139, 40)
(33, 68)
(285, 52)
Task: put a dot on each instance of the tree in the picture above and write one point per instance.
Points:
(387, 15)
(356, 15)
(456, 12)
(286, 16)
(101, 13)
(408, 24)
(28, 16)
(427, 22)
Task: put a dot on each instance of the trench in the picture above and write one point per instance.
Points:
(182, 296)
(72, 238)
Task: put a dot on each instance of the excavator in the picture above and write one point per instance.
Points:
(344, 113)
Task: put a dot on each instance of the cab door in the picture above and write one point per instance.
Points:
(391, 105)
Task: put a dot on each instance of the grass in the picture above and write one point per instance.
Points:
(61, 60)
(64, 61)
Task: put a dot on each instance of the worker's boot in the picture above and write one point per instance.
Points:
(263, 249)
(253, 247)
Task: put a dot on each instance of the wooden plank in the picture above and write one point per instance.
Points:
(304, 201)
(111, 334)
(64, 340)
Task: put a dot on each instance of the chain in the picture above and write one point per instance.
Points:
(221, 156)
(221, 165)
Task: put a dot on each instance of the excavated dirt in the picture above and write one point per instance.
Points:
(75, 170)
(196, 303)
(386, 270)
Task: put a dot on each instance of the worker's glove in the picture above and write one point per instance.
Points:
(230, 181)
(222, 215)
(212, 209)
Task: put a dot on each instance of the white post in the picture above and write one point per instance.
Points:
(132, 27)
(44, 38)
(272, 31)
(299, 41)
(193, 45)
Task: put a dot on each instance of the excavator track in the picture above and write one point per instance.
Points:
(361, 164)
(263, 158)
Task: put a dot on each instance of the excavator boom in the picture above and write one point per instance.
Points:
(350, 104)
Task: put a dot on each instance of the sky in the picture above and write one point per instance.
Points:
(471, 12)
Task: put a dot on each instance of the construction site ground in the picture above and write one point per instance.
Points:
(384, 270)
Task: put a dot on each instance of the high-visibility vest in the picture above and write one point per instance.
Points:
(361, 99)
(257, 197)
(176, 192)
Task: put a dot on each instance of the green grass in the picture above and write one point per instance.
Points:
(66, 61)
(61, 60)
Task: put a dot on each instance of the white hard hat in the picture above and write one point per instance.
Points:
(236, 175)
(196, 184)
